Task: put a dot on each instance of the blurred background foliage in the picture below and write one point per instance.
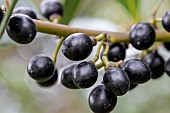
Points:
(20, 94)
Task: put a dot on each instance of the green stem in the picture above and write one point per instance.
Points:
(57, 49)
(64, 30)
(96, 57)
(101, 37)
(99, 65)
(104, 57)
(6, 18)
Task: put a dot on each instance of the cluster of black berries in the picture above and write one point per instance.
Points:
(117, 80)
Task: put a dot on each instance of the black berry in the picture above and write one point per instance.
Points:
(66, 77)
(51, 81)
(1, 15)
(142, 35)
(25, 10)
(167, 46)
(132, 86)
(116, 52)
(167, 67)
(21, 29)
(77, 46)
(101, 101)
(41, 68)
(85, 75)
(137, 71)
(116, 81)
(50, 7)
(166, 21)
(155, 63)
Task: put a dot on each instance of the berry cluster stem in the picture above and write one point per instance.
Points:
(104, 57)
(6, 17)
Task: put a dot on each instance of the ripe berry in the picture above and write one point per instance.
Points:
(116, 52)
(21, 29)
(1, 15)
(51, 81)
(41, 68)
(155, 63)
(66, 77)
(116, 81)
(167, 67)
(142, 35)
(166, 21)
(132, 86)
(137, 71)
(102, 101)
(167, 46)
(25, 10)
(85, 74)
(77, 46)
(50, 7)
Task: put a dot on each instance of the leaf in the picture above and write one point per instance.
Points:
(70, 8)
(132, 7)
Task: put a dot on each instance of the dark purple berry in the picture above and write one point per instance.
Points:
(51, 7)
(66, 77)
(155, 63)
(85, 75)
(116, 81)
(49, 82)
(1, 15)
(137, 71)
(25, 10)
(21, 29)
(167, 46)
(77, 46)
(102, 101)
(142, 36)
(41, 68)
(116, 52)
(132, 86)
(167, 67)
(166, 21)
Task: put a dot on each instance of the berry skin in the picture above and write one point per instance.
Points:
(116, 81)
(25, 10)
(166, 21)
(132, 86)
(41, 68)
(137, 71)
(1, 15)
(50, 7)
(49, 82)
(116, 52)
(101, 101)
(167, 46)
(85, 75)
(167, 67)
(155, 63)
(77, 46)
(142, 35)
(21, 29)
(66, 77)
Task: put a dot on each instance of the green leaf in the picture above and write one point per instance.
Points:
(70, 8)
(132, 7)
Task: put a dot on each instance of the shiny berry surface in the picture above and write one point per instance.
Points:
(137, 71)
(21, 29)
(66, 77)
(102, 101)
(166, 21)
(49, 82)
(167, 67)
(116, 52)
(41, 68)
(116, 81)
(25, 10)
(1, 15)
(50, 7)
(155, 63)
(77, 46)
(85, 75)
(142, 36)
